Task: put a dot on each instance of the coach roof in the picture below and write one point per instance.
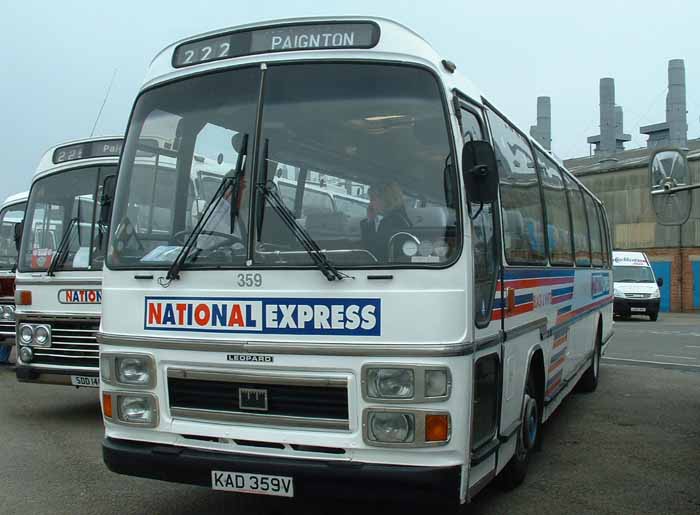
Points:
(396, 43)
(47, 165)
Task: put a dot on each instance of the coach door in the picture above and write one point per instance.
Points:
(487, 320)
(525, 271)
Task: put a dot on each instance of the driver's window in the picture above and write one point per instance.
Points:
(46, 228)
(484, 246)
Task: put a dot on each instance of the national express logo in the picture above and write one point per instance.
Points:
(351, 317)
(80, 296)
(600, 284)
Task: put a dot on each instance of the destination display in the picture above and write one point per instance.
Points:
(90, 149)
(283, 38)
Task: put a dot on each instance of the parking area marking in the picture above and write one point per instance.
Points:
(664, 333)
(650, 362)
(673, 356)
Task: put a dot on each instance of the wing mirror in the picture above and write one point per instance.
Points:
(19, 227)
(106, 196)
(659, 281)
(671, 187)
(480, 172)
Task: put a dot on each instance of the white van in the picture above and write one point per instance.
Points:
(636, 289)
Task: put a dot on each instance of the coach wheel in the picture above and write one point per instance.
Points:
(589, 380)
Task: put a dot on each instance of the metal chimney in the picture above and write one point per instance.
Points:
(612, 137)
(674, 131)
(676, 114)
(542, 132)
(607, 115)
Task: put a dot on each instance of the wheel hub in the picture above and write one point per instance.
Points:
(530, 422)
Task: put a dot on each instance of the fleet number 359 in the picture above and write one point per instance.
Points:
(249, 280)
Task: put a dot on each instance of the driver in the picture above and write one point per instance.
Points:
(220, 221)
(394, 220)
(370, 226)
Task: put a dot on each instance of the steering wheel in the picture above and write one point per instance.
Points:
(180, 237)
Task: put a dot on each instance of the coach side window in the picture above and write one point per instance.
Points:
(471, 128)
(594, 227)
(520, 195)
(557, 211)
(582, 247)
(485, 250)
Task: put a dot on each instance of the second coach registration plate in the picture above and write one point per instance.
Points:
(252, 483)
(86, 381)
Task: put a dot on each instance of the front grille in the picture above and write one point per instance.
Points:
(7, 329)
(638, 295)
(73, 344)
(287, 404)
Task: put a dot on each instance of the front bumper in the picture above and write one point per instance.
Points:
(624, 306)
(312, 478)
(29, 374)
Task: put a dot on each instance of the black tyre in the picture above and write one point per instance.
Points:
(654, 317)
(589, 380)
(513, 474)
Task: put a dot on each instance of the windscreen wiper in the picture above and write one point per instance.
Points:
(58, 257)
(234, 180)
(307, 242)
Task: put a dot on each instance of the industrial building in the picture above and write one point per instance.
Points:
(620, 178)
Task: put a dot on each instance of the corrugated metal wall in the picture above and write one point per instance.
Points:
(625, 194)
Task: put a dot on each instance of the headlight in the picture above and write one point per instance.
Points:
(436, 383)
(26, 333)
(618, 293)
(134, 370)
(390, 427)
(137, 409)
(656, 294)
(390, 383)
(400, 384)
(42, 335)
(26, 354)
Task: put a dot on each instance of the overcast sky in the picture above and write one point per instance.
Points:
(58, 59)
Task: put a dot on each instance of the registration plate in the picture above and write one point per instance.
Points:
(252, 483)
(638, 310)
(86, 381)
